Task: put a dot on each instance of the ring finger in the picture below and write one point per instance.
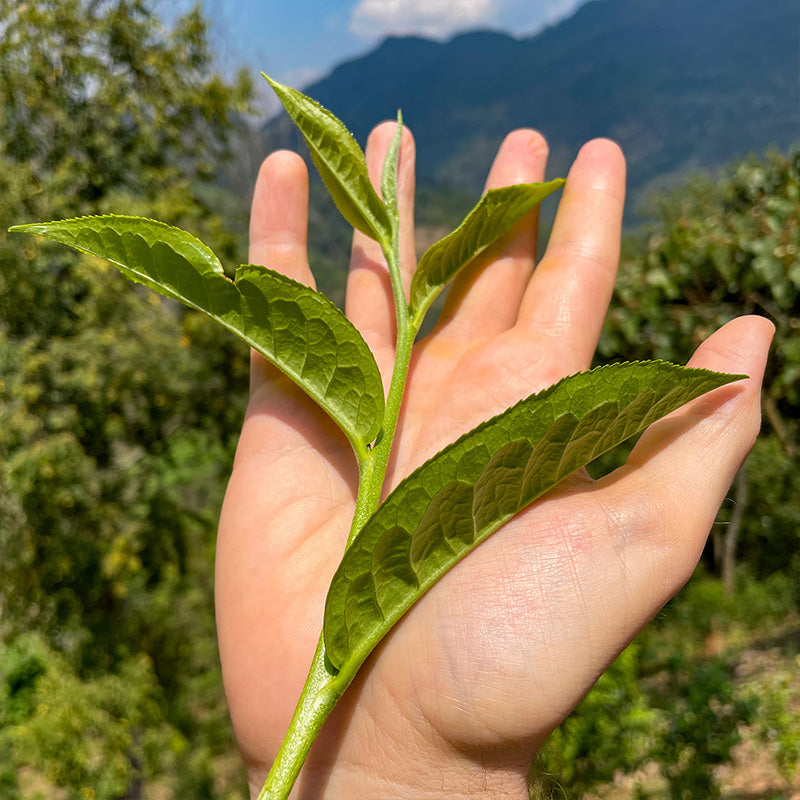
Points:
(567, 298)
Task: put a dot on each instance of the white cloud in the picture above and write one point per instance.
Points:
(524, 17)
(555, 10)
(373, 19)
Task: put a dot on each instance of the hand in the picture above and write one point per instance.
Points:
(459, 696)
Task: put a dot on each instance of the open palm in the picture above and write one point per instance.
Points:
(459, 696)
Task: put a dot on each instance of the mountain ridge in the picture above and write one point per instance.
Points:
(681, 85)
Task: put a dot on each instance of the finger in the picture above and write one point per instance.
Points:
(484, 299)
(278, 240)
(369, 303)
(279, 230)
(279, 217)
(667, 495)
(567, 297)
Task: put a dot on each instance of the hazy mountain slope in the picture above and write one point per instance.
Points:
(681, 84)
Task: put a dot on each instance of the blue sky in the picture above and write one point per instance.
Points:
(297, 41)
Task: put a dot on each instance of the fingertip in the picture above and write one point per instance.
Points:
(369, 302)
(600, 165)
(601, 149)
(280, 198)
(525, 142)
(279, 216)
(740, 346)
(378, 143)
(521, 158)
(381, 135)
(281, 159)
(715, 431)
(281, 165)
(567, 297)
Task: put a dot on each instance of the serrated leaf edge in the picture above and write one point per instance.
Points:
(542, 395)
(39, 229)
(380, 228)
(200, 246)
(420, 303)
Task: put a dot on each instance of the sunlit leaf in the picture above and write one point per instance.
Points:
(497, 212)
(297, 329)
(467, 491)
(340, 162)
(389, 174)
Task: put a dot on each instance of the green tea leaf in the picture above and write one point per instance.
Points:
(389, 175)
(497, 212)
(467, 491)
(339, 160)
(297, 329)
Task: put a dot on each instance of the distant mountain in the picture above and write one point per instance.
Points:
(680, 84)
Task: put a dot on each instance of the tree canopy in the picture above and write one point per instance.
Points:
(118, 412)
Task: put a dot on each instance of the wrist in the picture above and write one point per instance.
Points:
(402, 767)
(419, 783)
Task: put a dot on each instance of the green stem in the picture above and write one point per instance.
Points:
(320, 694)
(323, 688)
(373, 469)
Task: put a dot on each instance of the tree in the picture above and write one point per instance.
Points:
(722, 247)
(118, 413)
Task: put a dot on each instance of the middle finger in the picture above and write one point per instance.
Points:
(484, 299)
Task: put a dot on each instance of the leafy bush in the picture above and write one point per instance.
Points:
(114, 442)
(703, 606)
(614, 728)
(704, 715)
(668, 702)
(779, 720)
(717, 248)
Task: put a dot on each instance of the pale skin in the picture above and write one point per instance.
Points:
(457, 699)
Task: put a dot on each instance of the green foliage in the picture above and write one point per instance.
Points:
(498, 210)
(723, 247)
(117, 423)
(98, 100)
(294, 327)
(673, 700)
(468, 490)
(458, 497)
(772, 518)
(614, 728)
(704, 606)
(94, 738)
(391, 164)
(114, 443)
(436, 211)
(779, 721)
(339, 161)
(703, 727)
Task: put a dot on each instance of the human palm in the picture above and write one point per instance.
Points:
(459, 696)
